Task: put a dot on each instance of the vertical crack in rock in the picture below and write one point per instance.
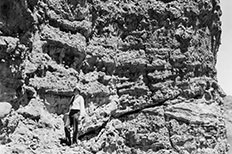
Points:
(169, 133)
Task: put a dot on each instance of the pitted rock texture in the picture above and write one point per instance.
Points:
(146, 69)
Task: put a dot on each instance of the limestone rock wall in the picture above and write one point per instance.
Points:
(228, 121)
(146, 69)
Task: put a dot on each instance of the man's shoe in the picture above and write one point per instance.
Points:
(65, 142)
(68, 143)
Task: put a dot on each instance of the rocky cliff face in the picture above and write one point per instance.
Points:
(145, 68)
(228, 119)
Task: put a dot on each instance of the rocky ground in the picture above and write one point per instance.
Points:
(146, 70)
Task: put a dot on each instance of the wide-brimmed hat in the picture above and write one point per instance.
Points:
(77, 88)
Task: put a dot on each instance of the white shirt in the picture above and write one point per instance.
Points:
(78, 104)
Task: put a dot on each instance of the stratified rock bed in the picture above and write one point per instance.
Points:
(145, 68)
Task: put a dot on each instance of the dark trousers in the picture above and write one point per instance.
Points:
(69, 121)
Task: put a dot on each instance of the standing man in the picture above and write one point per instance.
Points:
(75, 114)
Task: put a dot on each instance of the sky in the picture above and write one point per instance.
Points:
(224, 59)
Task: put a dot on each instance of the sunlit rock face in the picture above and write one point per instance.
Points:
(228, 121)
(146, 70)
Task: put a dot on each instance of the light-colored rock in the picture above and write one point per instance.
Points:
(5, 109)
(3, 149)
(228, 119)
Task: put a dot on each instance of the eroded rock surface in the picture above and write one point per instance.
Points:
(145, 68)
(228, 121)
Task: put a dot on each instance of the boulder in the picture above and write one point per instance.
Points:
(5, 109)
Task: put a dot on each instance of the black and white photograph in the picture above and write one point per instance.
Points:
(115, 77)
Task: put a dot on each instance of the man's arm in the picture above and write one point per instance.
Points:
(82, 108)
(70, 103)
